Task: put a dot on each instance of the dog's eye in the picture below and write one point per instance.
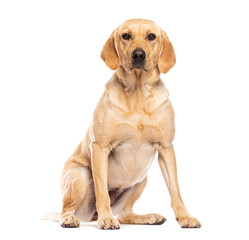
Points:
(151, 36)
(126, 36)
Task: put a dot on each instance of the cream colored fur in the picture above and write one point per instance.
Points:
(133, 120)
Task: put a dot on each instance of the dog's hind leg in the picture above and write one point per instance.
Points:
(126, 215)
(75, 181)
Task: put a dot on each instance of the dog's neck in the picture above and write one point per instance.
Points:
(138, 78)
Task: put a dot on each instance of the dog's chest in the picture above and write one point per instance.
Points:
(129, 164)
(137, 126)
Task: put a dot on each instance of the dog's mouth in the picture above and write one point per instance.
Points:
(139, 66)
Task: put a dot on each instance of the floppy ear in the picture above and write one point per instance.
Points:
(167, 56)
(109, 54)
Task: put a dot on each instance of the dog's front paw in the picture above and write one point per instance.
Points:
(188, 222)
(109, 223)
(69, 222)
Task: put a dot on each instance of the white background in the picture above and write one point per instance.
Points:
(51, 77)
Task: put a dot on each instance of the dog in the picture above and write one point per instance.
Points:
(133, 120)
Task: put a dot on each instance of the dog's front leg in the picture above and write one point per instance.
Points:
(167, 162)
(100, 170)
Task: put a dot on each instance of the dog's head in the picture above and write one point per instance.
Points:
(139, 44)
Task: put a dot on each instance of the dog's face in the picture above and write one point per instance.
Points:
(139, 44)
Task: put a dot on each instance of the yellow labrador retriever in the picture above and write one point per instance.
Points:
(133, 120)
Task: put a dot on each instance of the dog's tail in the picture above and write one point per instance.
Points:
(53, 216)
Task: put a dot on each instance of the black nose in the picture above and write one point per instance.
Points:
(138, 56)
